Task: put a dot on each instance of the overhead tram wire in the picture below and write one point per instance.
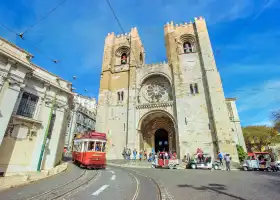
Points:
(21, 35)
(35, 48)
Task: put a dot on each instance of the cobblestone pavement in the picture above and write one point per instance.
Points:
(218, 185)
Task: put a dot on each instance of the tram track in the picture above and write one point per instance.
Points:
(68, 188)
(160, 190)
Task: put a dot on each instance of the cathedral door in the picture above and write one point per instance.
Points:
(161, 140)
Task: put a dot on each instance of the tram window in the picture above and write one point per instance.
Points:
(91, 146)
(104, 147)
(98, 146)
(78, 147)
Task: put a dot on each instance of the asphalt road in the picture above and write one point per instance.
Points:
(218, 185)
(116, 183)
(110, 184)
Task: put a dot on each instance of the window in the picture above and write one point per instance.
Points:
(141, 58)
(120, 96)
(194, 88)
(98, 146)
(91, 146)
(187, 47)
(27, 105)
(104, 147)
(123, 59)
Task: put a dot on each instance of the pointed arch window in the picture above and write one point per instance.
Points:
(187, 47)
(124, 59)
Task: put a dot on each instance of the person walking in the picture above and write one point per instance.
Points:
(227, 159)
(134, 154)
(220, 156)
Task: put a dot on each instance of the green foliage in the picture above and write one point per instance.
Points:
(259, 137)
(241, 153)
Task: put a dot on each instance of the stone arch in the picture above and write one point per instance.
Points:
(152, 122)
(121, 50)
(153, 112)
(187, 39)
(151, 74)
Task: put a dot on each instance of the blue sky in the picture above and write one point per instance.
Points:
(75, 32)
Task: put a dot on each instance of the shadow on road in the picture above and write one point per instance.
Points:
(219, 188)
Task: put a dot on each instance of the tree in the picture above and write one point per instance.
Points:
(259, 137)
(241, 153)
(276, 119)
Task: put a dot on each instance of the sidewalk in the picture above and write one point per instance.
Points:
(136, 164)
(28, 177)
(146, 164)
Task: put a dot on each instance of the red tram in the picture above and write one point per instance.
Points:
(89, 150)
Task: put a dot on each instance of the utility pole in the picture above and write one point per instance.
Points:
(46, 134)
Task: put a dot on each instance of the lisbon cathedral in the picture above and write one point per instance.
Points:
(176, 105)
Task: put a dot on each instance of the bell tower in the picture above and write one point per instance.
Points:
(122, 54)
(200, 107)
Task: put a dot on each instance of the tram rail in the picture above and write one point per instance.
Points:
(66, 189)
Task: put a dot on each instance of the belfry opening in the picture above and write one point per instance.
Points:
(157, 132)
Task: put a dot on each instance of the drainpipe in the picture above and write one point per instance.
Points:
(46, 134)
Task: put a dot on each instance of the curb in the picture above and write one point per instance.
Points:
(149, 167)
(29, 177)
(136, 166)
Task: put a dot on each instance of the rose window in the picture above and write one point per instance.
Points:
(156, 89)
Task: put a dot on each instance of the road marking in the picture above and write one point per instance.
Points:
(112, 172)
(113, 177)
(97, 192)
(137, 187)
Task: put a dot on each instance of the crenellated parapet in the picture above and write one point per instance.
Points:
(171, 26)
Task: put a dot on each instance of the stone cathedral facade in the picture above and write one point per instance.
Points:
(176, 105)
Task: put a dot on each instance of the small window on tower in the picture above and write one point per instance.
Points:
(123, 59)
(122, 96)
(141, 58)
(187, 47)
(119, 96)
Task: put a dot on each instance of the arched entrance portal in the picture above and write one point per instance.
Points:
(161, 140)
(157, 132)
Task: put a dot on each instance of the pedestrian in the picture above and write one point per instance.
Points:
(123, 153)
(140, 154)
(220, 156)
(134, 154)
(128, 154)
(227, 160)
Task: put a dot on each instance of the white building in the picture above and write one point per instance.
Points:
(82, 118)
(28, 94)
